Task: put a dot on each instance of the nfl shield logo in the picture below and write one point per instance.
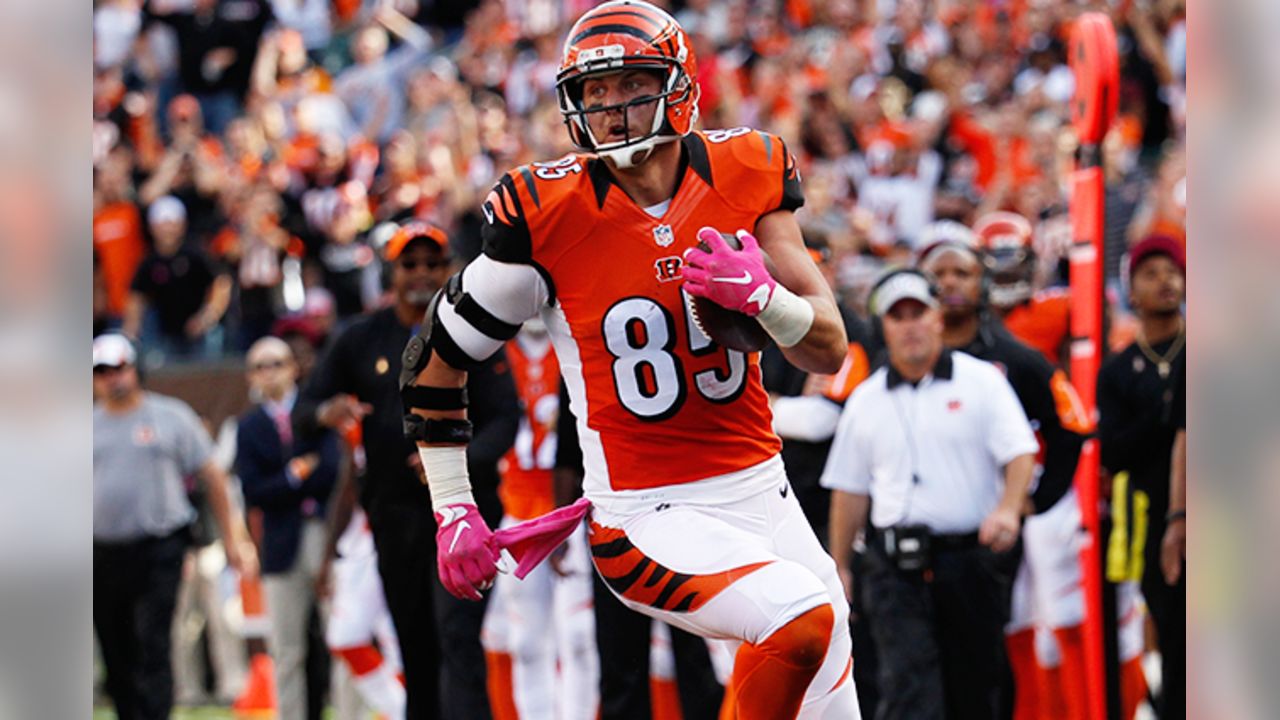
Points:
(663, 235)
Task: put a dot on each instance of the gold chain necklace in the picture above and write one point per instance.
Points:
(1162, 362)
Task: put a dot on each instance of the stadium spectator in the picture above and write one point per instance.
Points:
(144, 444)
(290, 481)
(177, 296)
(926, 442)
(117, 230)
(1137, 428)
(373, 88)
(355, 381)
(190, 168)
(217, 43)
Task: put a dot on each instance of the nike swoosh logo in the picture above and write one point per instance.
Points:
(461, 526)
(449, 514)
(488, 212)
(746, 278)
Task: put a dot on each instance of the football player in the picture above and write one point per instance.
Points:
(692, 518)
(1039, 318)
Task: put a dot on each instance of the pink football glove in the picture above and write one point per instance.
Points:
(735, 279)
(465, 551)
(531, 541)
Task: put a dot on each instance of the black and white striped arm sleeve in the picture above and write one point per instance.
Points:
(485, 305)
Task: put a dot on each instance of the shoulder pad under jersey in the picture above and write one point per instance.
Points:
(521, 195)
(751, 167)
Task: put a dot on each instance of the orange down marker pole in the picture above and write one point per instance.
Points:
(1094, 60)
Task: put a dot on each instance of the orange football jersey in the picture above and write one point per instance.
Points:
(526, 469)
(658, 403)
(1043, 322)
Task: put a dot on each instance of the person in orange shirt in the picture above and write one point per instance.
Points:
(1039, 318)
(117, 230)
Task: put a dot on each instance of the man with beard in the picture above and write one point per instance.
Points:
(356, 381)
(1137, 425)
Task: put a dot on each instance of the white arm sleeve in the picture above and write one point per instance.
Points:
(810, 418)
(510, 292)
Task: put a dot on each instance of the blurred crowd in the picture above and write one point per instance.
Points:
(248, 153)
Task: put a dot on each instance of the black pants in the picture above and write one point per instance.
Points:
(444, 667)
(623, 640)
(135, 590)
(940, 641)
(1168, 606)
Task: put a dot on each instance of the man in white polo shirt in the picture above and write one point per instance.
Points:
(937, 445)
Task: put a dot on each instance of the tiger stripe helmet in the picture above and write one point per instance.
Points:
(629, 34)
(1008, 256)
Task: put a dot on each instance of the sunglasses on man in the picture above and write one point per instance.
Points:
(267, 365)
(412, 264)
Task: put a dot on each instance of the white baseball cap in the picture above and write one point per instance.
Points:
(114, 350)
(901, 285)
(167, 208)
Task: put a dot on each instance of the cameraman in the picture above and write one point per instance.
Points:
(938, 441)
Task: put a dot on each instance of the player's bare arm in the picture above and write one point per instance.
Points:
(822, 349)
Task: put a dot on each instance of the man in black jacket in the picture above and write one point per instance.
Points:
(356, 381)
(1137, 425)
(1047, 591)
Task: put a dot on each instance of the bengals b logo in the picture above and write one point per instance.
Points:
(668, 268)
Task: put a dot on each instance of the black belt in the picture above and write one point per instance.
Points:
(939, 541)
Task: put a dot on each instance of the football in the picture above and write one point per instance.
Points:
(726, 327)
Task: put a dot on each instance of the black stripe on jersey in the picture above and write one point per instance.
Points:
(673, 584)
(513, 208)
(657, 25)
(656, 577)
(620, 585)
(768, 146)
(685, 603)
(530, 186)
(613, 548)
(792, 193)
(601, 179)
(698, 159)
(513, 243)
(507, 242)
(483, 320)
(611, 28)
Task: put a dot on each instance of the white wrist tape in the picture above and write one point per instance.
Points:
(447, 479)
(787, 318)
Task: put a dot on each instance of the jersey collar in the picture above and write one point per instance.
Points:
(942, 370)
(693, 154)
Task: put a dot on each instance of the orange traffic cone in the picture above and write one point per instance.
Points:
(259, 696)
